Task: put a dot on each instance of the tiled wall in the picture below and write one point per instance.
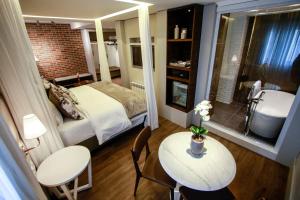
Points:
(58, 48)
(237, 29)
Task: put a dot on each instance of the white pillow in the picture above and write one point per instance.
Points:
(56, 114)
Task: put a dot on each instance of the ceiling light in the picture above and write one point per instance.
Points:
(52, 17)
(136, 2)
(253, 10)
(298, 4)
(297, 9)
(120, 12)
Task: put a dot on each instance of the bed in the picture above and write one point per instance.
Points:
(108, 111)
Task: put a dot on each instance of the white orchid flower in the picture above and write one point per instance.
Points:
(197, 110)
(203, 113)
(206, 118)
(205, 102)
(204, 107)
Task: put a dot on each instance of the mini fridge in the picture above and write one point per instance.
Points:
(179, 93)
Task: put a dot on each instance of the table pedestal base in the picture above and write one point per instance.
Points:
(68, 193)
(176, 192)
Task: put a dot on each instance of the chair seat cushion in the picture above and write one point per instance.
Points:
(190, 194)
(153, 170)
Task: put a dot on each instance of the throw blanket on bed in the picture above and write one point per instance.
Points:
(133, 102)
(106, 115)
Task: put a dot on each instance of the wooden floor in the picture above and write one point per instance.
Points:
(114, 175)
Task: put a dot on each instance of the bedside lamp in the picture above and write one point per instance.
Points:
(33, 129)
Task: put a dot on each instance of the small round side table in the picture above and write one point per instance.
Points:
(214, 169)
(64, 166)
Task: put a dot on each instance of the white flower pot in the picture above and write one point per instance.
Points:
(197, 146)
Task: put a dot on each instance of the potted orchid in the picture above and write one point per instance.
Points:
(197, 141)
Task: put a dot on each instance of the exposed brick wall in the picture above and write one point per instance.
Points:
(59, 49)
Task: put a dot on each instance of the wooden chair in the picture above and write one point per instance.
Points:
(190, 194)
(152, 170)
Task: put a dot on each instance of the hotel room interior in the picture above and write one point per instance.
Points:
(150, 99)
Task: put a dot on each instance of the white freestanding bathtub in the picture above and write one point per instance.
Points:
(271, 112)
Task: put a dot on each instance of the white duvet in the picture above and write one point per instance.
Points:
(106, 115)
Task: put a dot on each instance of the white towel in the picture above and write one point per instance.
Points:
(256, 88)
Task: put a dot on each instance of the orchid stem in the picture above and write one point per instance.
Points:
(200, 121)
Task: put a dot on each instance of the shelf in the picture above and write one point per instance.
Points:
(188, 69)
(189, 17)
(178, 79)
(180, 40)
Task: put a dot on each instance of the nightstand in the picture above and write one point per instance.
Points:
(62, 167)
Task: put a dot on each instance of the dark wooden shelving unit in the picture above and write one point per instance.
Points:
(184, 78)
(180, 40)
(178, 79)
(179, 68)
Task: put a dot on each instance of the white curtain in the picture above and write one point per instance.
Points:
(5, 113)
(16, 179)
(104, 68)
(121, 40)
(88, 52)
(146, 46)
(111, 49)
(20, 80)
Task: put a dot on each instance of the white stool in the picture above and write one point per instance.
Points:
(64, 166)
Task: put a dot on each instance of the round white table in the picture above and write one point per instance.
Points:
(63, 166)
(214, 169)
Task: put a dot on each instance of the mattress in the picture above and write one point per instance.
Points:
(103, 116)
(75, 131)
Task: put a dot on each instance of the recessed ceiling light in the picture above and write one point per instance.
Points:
(120, 12)
(253, 10)
(294, 5)
(52, 17)
(136, 2)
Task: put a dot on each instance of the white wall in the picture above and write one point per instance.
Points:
(158, 26)
(235, 39)
(132, 31)
(94, 46)
(165, 111)
(288, 144)
(88, 53)
(206, 44)
(290, 135)
(120, 34)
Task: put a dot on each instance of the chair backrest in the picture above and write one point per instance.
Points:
(140, 142)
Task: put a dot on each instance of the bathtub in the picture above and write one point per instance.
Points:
(271, 112)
